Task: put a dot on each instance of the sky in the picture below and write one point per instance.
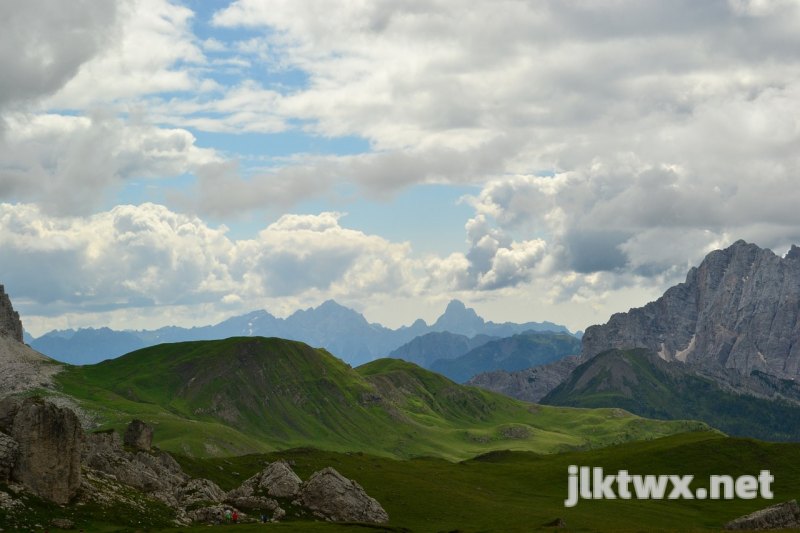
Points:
(180, 162)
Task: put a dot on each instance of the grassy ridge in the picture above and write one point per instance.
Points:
(245, 395)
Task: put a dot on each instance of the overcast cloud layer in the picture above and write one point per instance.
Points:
(611, 145)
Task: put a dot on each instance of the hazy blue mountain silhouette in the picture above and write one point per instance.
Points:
(341, 330)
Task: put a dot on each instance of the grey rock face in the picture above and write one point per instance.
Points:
(49, 455)
(740, 309)
(139, 435)
(9, 448)
(10, 324)
(531, 384)
(332, 496)
(780, 516)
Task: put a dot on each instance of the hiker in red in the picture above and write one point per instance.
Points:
(235, 517)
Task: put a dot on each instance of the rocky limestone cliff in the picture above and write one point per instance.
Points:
(10, 324)
(740, 309)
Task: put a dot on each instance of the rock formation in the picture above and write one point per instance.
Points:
(10, 324)
(334, 497)
(139, 435)
(779, 516)
(49, 441)
(740, 309)
(155, 473)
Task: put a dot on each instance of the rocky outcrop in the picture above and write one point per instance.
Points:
(49, 441)
(332, 496)
(531, 384)
(9, 449)
(784, 515)
(740, 309)
(139, 435)
(10, 324)
(156, 473)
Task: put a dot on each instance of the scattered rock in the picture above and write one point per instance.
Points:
(50, 441)
(139, 435)
(332, 496)
(779, 516)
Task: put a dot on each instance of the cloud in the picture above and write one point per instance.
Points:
(68, 164)
(451, 94)
(149, 257)
(44, 43)
(151, 50)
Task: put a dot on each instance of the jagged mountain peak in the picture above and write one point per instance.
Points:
(739, 309)
(458, 318)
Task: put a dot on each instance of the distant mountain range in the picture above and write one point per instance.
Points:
(520, 351)
(431, 347)
(460, 357)
(342, 331)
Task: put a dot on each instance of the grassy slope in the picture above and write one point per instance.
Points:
(641, 383)
(519, 491)
(245, 395)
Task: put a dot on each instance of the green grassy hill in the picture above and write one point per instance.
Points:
(244, 395)
(639, 381)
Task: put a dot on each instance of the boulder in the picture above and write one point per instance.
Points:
(334, 497)
(139, 435)
(9, 448)
(49, 455)
(280, 481)
(277, 480)
(779, 516)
